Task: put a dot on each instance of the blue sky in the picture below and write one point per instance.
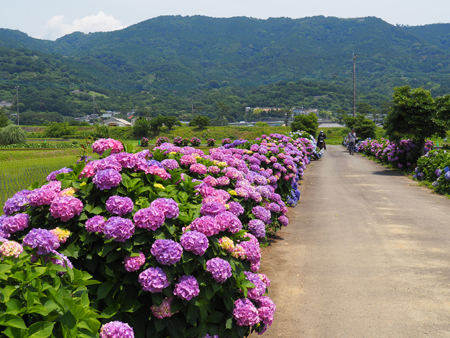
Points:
(51, 19)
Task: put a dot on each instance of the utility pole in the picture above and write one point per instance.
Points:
(17, 95)
(354, 83)
(192, 112)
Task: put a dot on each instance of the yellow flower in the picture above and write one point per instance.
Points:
(61, 234)
(227, 206)
(215, 161)
(222, 164)
(172, 153)
(250, 152)
(232, 192)
(83, 184)
(159, 186)
(67, 192)
(198, 157)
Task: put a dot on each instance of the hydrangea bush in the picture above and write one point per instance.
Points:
(172, 235)
(195, 141)
(144, 142)
(178, 141)
(161, 140)
(210, 142)
(434, 168)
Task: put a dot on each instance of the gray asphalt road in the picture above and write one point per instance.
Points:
(367, 254)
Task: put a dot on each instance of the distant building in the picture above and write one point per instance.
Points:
(5, 104)
(114, 121)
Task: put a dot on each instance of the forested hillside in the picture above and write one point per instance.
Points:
(170, 64)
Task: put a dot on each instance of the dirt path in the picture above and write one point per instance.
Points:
(366, 254)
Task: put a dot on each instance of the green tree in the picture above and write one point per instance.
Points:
(364, 128)
(141, 127)
(3, 120)
(170, 122)
(413, 115)
(12, 134)
(341, 115)
(200, 121)
(156, 123)
(222, 111)
(308, 123)
(56, 129)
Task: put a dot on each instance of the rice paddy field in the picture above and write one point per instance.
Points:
(20, 169)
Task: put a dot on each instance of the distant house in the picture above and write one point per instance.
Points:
(4, 104)
(114, 121)
(106, 116)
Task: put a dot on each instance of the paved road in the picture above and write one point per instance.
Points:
(367, 254)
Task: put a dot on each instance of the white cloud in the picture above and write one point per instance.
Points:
(57, 26)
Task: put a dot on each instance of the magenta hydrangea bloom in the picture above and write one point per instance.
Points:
(119, 205)
(261, 213)
(266, 310)
(219, 268)
(65, 208)
(212, 209)
(214, 169)
(163, 310)
(102, 144)
(153, 280)
(198, 168)
(283, 220)
(42, 196)
(259, 289)
(155, 170)
(168, 206)
(107, 179)
(235, 208)
(126, 160)
(186, 288)
(206, 225)
(257, 228)
(210, 181)
(223, 180)
(118, 228)
(245, 312)
(228, 221)
(41, 239)
(134, 263)
(187, 160)
(166, 251)
(88, 171)
(116, 329)
(150, 218)
(195, 242)
(15, 223)
(95, 224)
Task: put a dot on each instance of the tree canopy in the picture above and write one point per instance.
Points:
(308, 123)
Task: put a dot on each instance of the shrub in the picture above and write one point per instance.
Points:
(226, 141)
(195, 141)
(178, 141)
(308, 123)
(200, 121)
(185, 142)
(162, 140)
(144, 142)
(141, 127)
(56, 129)
(12, 134)
(210, 142)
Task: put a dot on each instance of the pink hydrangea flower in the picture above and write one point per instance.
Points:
(65, 208)
(134, 263)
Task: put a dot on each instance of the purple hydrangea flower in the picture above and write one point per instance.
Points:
(17, 203)
(283, 220)
(257, 228)
(259, 289)
(65, 208)
(126, 160)
(186, 288)
(166, 251)
(107, 179)
(118, 228)
(41, 239)
(163, 310)
(116, 329)
(52, 175)
(245, 312)
(195, 242)
(274, 207)
(212, 209)
(219, 268)
(15, 223)
(170, 164)
(95, 224)
(134, 263)
(10, 249)
(153, 280)
(150, 218)
(261, 213)
(168, 207)
(210, 181)
(119, 205)
(206, 225)
(227, 220)
(235, 208)
(198, 168)
(266, 309)
(223, 180)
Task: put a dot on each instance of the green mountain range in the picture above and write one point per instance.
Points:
(171, 63)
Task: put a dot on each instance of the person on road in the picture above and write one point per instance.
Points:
(321, 138)
(351, 137)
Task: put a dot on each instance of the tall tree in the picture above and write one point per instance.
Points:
(413, 115)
